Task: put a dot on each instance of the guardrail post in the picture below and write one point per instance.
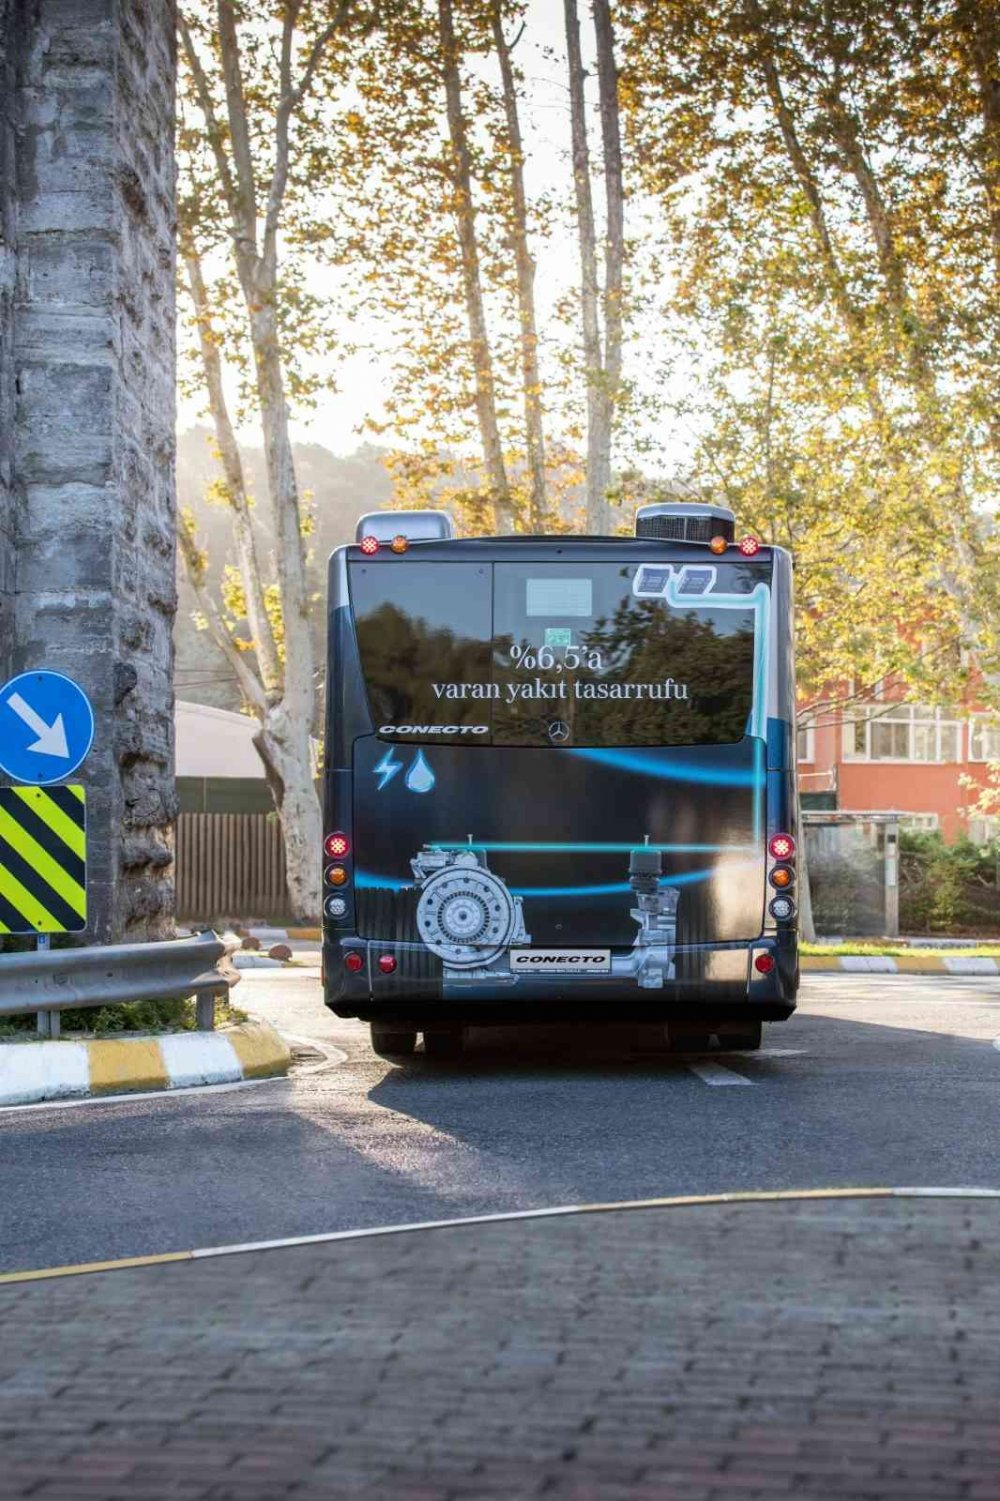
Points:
(204, 1013)
(47, 1022)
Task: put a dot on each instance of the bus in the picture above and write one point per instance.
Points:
(560, 780)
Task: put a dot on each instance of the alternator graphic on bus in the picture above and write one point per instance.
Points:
(466, 914)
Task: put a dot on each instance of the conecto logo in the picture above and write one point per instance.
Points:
(433, 729)
(587, 961)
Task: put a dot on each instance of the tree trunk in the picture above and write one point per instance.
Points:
(286, 754)
(597, 499)
(530, 377)
(465, 215)
(614, 247)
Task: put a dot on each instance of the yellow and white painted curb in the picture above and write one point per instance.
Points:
(35, 1071)
(899, 964)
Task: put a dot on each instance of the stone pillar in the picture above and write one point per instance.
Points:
(93, 436)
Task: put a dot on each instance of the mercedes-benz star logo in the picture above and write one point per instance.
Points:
(558, 731)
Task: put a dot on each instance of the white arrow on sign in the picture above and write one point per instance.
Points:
(51, 737)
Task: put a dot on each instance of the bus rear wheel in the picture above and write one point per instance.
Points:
(687, 1042)
(390, 1042)
(744, 1039)
(446, 1044)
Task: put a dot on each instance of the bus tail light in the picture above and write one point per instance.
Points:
(782, 846)
(782, 877)
(369, 545)
(336, 875)
(763, 964)
(338, 845)
(749, 546)
(387, 964)
(354, 961)
(783, 908)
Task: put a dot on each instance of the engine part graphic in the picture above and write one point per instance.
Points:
(651, 962)
(465, 915)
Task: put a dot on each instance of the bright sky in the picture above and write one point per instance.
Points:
(337, 420)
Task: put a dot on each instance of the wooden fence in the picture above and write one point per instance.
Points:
(230, 867)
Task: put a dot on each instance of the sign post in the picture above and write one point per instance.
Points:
(46, 731)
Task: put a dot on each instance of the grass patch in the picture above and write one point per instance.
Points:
(135, 1016)
(896, 950)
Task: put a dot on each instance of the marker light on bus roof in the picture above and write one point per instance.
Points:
(400, 543)
(369, 545)
(718, 544)
(782, 846)
(748, 546)
(338, 845)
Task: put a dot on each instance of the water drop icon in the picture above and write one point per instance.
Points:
(419, 778)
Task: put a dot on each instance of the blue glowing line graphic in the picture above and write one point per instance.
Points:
(653, 764)
(369, 881)
(558, 848)
(387, 769)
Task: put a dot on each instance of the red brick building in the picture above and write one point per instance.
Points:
(901, 757)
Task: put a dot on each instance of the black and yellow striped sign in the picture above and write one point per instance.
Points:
(43, 859)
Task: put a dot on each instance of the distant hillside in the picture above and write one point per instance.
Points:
(342, 489)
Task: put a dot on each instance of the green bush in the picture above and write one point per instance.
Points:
(948, 888)
(134, 1016)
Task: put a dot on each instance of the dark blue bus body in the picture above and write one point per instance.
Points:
(557, 765)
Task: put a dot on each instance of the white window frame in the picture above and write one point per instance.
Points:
(982, 724)
(809, 731)
(907, 714)
(920, 823)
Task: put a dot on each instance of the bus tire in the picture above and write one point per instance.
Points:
(746, 1039)
(389, 1042)
(445, 1044)
(687, 1042)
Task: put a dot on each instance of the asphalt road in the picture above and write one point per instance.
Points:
(875, 1081)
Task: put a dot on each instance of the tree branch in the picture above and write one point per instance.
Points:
(250, 685)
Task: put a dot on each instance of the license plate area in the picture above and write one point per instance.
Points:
(560, 962)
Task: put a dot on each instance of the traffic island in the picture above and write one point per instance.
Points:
(843, 1344)
(34, 1071)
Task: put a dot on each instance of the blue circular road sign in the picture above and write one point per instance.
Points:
(46, 727)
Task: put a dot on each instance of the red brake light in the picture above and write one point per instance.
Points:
(387, 964)
(763, 964)
(369, 545)
(782, 846)
(748, 546)
(354, 961)
(337, 846)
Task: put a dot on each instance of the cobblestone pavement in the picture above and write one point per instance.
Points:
(810, 1348)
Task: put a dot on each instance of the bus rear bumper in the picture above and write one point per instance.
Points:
(724, 981)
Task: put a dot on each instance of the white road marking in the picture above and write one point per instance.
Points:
(714, 1073)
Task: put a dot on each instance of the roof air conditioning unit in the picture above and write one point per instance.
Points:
(415, 526)
(682, 521)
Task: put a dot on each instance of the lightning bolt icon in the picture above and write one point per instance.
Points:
(387, 769)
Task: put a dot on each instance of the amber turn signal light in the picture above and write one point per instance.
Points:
(718, 544)
(781, 877)
(399, 544)
(336, 875)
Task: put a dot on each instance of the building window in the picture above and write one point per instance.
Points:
(805, 743)
(984, 740)
(919, 823)
(904, 732)
(984, 830)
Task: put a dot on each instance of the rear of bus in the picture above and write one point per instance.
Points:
(560, 777)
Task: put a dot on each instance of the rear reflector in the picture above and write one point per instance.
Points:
(354, 961)
(763, 964)
(386, 964)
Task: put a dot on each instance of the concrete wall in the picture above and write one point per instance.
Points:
(93, 437)
(7, 279)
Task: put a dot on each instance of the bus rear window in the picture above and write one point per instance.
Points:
(572, 654)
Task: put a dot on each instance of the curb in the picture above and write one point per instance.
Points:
(34, 1071)
(502, 1217)
(902, 964)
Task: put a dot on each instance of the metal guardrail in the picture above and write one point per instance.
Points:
(53, 980)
